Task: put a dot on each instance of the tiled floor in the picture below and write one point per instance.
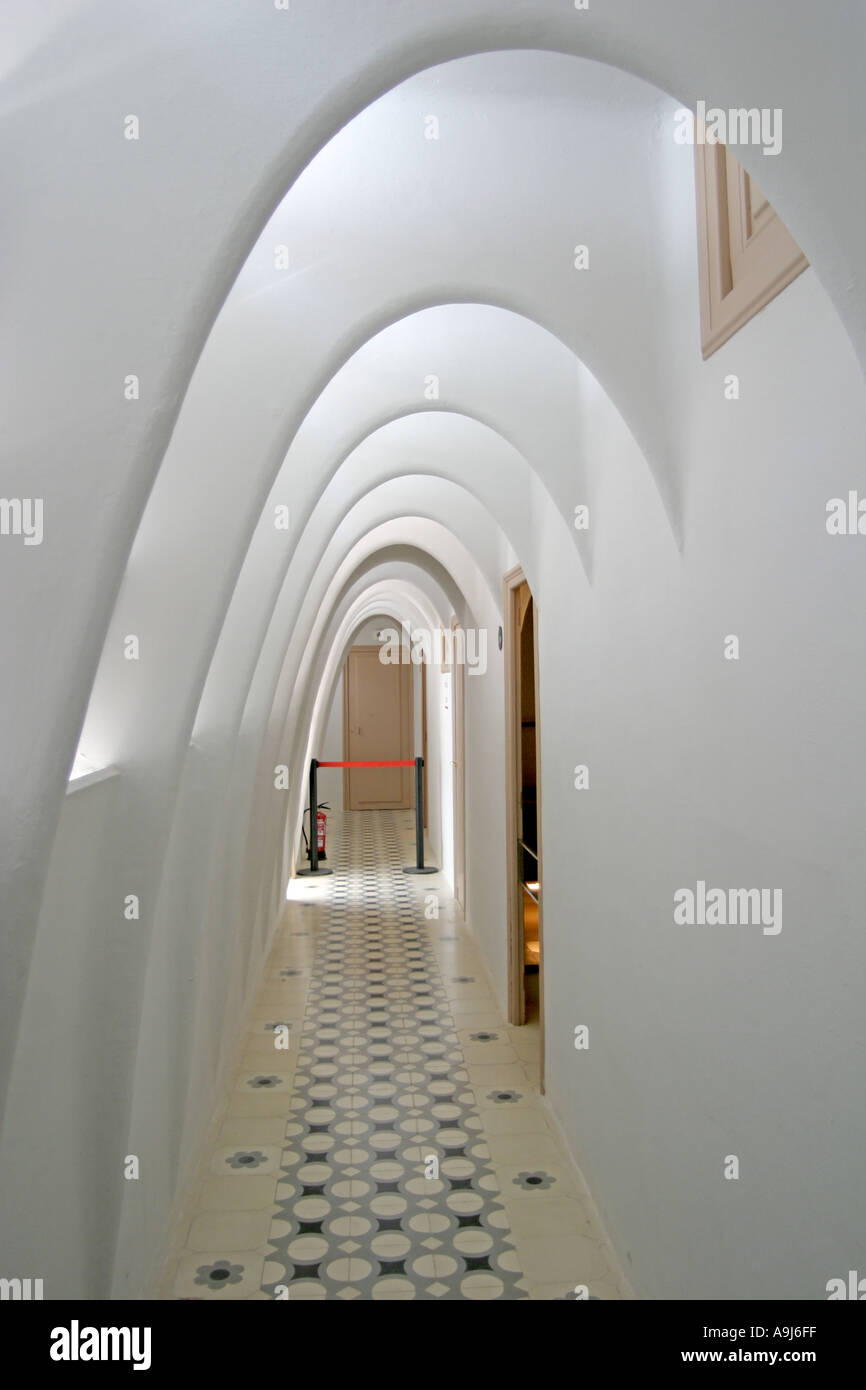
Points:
(396, 1147)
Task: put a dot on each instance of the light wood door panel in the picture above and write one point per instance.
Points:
(377, 712)
(746, 255)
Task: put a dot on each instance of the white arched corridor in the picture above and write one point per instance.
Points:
(309, 344)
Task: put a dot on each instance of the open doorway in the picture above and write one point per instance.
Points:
(523, 808)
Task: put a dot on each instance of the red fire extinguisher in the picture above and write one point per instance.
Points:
(321, 822)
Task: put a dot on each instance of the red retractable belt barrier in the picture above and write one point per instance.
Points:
(403, 762)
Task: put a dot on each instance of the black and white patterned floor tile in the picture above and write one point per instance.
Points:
(380, 1090)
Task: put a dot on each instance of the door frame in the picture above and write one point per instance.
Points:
(458, 761)
(511, 649)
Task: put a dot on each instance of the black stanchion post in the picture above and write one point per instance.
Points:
(419, 866)
(314, 825)
(419, 813)
(314, 816)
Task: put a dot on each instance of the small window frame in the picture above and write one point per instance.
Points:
(746, 255)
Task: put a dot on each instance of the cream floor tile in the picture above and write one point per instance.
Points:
(275, 1004)
(558, 1179)
(249, 1192)
(289, 953)
(514, 1119)
(198, 1275)
(281, 1011)
(528, 1048)
(517, 1097)
(541, 1215)
(461, 996)
(393, 1291)
(272, 1079)
(251, 1130)
(471, 1004)
(245, 1102)
(457, 988)
(508, 1076)
(575, 1259)
(524, 1030)
(533, 1150)
(479, 1287)
(228, 1230)
(478, 1023)
(245, 1161)
(256, 1059)
(459, 960)
(489, 1054)
(478, 1149)
(280, 992)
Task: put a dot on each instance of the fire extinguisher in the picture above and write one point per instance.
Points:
(321, 824)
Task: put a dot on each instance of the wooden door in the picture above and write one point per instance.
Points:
(377, 724)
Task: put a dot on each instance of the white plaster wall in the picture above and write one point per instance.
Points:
(63, 1148)
(707, 1042)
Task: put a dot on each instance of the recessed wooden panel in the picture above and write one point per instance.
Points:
(746, 255)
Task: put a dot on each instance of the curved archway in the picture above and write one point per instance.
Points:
(646, 608)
